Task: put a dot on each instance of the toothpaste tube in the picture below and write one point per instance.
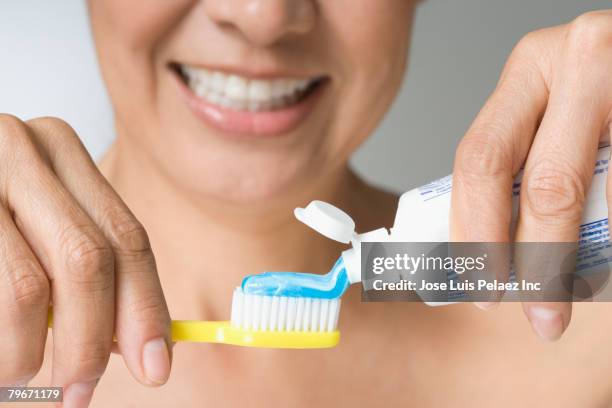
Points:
(422, 216)
(423, 213)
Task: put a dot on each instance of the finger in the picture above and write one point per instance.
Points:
(24, 300)
(76, 257)
(560, 165)
(142, 318)
(492, 153)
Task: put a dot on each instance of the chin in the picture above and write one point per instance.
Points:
(248, 181)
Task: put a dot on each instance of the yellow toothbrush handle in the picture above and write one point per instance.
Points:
(197, 331)
(223, 332)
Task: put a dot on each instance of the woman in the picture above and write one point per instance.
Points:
(230, 113)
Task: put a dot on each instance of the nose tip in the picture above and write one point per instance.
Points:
(264, 22)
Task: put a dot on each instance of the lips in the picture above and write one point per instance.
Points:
(242, 105)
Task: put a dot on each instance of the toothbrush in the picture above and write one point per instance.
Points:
(300, 303)
(223, 332)
(287, 309)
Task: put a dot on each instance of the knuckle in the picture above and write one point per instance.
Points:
(590, 33)
(532, 44)
(481, 155)
(92, 356)
(528, 43)
(89, 259)
(28, 285)
(20, 369)
(128, 234)
(148, 308)
(525, 61)
(10, 122)
(52, 123)
(13, 132)
(87, 358)
(554, 189)
(54, 127)
(23, 363)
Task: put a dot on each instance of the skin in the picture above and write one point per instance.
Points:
(76, 232)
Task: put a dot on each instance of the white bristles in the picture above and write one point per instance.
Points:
(265, 312)
(299, 315)
(283, 313)
(324, 311)
(291, 309)
(273, 315)
(315, 316)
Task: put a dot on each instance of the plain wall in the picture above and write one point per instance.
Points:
(48, 67)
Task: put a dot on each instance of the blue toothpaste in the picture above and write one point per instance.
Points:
(332, 285)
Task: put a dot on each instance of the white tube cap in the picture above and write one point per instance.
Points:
(335, 224)
(327, 220)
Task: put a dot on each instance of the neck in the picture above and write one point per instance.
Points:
(205, 247)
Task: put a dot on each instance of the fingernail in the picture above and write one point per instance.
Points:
(156, 361)
(486, 305)
(547, 323)
(78, 395)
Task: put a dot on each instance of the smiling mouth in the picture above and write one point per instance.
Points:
(236, 105)
(239, 93)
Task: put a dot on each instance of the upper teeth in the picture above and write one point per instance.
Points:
(238, 92)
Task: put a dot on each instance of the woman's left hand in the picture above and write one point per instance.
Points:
(551, 106)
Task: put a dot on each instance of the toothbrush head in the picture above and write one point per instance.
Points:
(284, 321)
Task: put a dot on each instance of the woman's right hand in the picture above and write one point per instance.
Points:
(68, 239)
